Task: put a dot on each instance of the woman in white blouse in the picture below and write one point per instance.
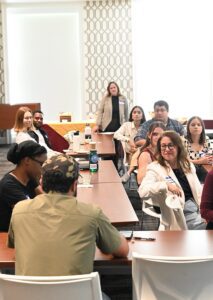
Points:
(128, 130)
(24, 128)
(23, 125)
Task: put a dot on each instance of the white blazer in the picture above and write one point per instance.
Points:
(154, 186)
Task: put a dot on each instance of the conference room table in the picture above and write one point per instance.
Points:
(188, 243)
(107, 173)
(64, 127)
(104, 144)
(107, 192)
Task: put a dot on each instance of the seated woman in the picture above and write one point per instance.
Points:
(198, 146)
(148, 151)
(206, 206)
(25, 129)
(128, 130)
(173, 174)
(22, 182)
(23, 124)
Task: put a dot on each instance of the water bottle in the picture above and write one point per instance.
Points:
(93, 158)
(88, 132)
(76, 141)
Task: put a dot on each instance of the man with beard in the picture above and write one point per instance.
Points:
(39, 134)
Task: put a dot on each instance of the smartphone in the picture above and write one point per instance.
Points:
(127, 234)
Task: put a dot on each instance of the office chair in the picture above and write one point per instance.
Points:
(76, 287)
(172, 278)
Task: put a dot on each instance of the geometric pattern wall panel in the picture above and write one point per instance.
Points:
(107, 49)
(2, 91)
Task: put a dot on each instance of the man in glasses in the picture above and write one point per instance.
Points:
(23, 181)
(161, 111)
(57, 234)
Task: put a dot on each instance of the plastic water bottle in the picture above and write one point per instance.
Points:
(88, 132)
(93, 158)
(76, 141)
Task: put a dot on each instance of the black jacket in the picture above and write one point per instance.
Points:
(34, 135)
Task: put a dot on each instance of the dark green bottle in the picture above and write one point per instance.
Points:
(93, 161)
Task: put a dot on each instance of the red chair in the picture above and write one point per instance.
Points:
(58, 142)
(208, 124)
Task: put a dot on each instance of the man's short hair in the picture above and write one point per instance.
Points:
(58, 173)
(161, 103)
(37, 111)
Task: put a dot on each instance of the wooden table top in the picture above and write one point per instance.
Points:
(112, 199)
(168, 243)
(106, 173)
(64, 127)
(108, 193)
(104, 145)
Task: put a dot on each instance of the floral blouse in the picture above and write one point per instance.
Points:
(193, 155)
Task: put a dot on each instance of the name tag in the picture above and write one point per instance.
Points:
(169, 179)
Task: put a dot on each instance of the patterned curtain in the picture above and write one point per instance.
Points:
(107, 49)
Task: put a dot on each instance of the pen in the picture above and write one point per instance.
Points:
(144, 239)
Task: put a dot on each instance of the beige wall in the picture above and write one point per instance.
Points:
(107, 55)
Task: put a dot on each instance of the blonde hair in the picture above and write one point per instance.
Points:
(19, 119)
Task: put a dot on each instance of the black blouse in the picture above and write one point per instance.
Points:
(115, 122)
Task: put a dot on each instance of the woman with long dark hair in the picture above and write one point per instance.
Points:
(148, 151)
(198, 146)
(128, 131)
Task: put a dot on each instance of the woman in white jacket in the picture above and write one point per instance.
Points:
(128, 130)
(173, 174)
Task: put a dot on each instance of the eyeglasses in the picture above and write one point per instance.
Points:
(170, 146)
(38, 161)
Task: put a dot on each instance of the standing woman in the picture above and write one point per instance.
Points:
(113, 110)
(198, 146)
(173, 175)
(128, 131)
(24, 125)
(148, 151)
